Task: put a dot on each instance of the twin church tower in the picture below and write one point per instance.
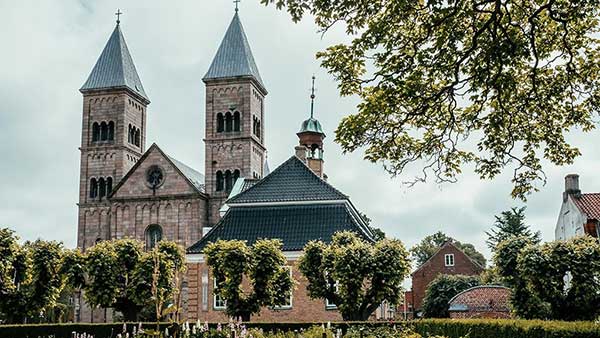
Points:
(130, 190)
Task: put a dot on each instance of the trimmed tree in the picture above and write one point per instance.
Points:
(441, 290)
(510, 223)
(451, 85)
(355, 275)
(263, 265)
(431, 244)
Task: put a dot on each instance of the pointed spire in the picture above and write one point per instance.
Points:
(234, 57)
(312, 125)
(312, 97)
(114, 68)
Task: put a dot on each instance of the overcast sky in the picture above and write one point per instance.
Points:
(49, 48)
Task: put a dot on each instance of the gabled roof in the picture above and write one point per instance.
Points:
(292, 181)
(194, 178)
(588, 204)
(115, 69)
(294, 225)
(447, 243)
(234, 57)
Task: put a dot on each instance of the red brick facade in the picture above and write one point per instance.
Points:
(435, 266)
(486, 301)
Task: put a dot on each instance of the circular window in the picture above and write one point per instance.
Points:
(155, 177)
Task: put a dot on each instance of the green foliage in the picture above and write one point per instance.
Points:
(525, 303)
(431, 244)
(544, 268)
(510, 223)
(263, 264)
(448, 85)
(354, 274)
(30, 278)
(441, 290)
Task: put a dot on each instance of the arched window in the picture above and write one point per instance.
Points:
(236, 121)
(258, 129)
(103, 131)
(254, 125)
(228, 121)
(153, 235)
(220, 123)
(111, 130)
(228, 183)
(93, 188)
(108, 185)
(220, 181)
(95, 132)
(137, 137)
(130, 134)
(236, 175)
(101, 188)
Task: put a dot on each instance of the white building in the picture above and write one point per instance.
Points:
(579, 213)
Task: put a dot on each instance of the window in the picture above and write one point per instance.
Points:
(103, 131)
(330, 304)
(109, 184)
(218, 302)
(236, 121)
(220, 181)
(220, 123)
(130, 134)
(153, 235)
(228, 122)
(449, 259)
(236, 175)
(95, 132)
(111, 130)
(288, 304)
(137, 137)
(101, 188)
(93, 188)
(228, 184)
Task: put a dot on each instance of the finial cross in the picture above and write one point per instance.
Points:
(236, 2)
(118, 14)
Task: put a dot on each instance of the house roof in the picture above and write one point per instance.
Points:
(193, 176)
(588, 204)
(115, 69)
(294, 225)
(447, 243)
(234, 57)
(292, 181)
(481, 298)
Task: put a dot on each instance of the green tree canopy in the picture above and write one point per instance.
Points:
(545, 266)
(510, 223)
(354, 274)
(441, 290)
(431, 244)
(263, 265)
(449, 85)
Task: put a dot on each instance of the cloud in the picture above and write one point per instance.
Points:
(50, 48)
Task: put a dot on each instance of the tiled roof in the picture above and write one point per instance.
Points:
(115, 68)
(482, 298)
(292, 181)
(234, 57)
(195, 177)
(589, 204)
(295, 225)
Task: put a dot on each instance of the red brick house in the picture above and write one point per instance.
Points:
(484, 301)
(448, 260)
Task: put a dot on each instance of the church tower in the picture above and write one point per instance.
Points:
(234, 138)
(310, 137)
(113, 135)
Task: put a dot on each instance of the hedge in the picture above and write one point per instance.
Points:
(471, 328)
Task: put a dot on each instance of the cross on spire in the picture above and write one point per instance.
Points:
(236, 2)
(118, 14)
(312, 97)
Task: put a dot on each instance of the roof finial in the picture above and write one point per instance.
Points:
(312, 97)
(236, 2)
(118, 14)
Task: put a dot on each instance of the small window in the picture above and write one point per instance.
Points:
(228, 122)
(449, 259)
(218, 302)
(329, 305)
(236, 121)
(220, 181)
(95, 132)
(220, 123)
(288, 304)
(153, 235)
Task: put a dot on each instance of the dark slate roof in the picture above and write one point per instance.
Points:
(195, 177)
(589, 204)
(294, 225)
(292, 181)
(234, 57)
(115, 68)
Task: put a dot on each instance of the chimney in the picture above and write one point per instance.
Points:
(571, 186)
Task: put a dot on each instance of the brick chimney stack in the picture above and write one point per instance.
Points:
(571, 186)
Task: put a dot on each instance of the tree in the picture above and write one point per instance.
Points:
(510, 223)
(544, 267)
(525, 303)
(354, 274)
(263, 265)
(30, 278)
(431, 244)
(441, 290)
(449, 85)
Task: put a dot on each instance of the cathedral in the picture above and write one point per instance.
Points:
(131, 190)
